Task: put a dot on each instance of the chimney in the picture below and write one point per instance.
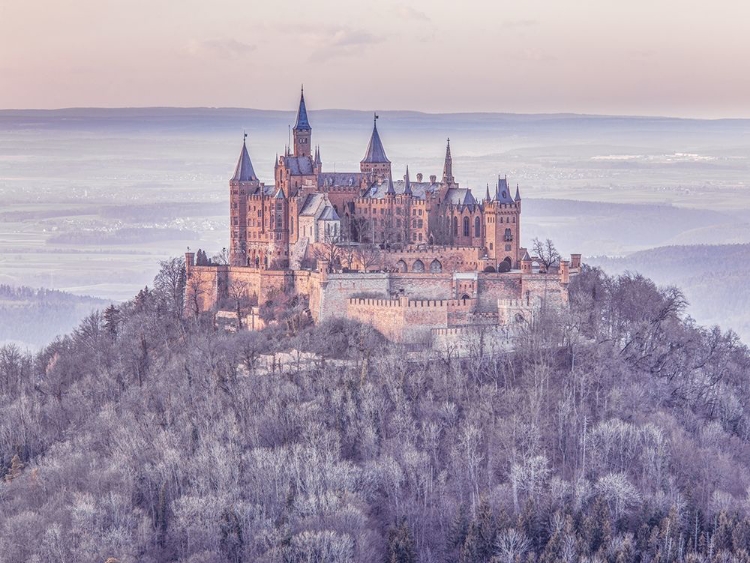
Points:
(433, 179)
(419, 177)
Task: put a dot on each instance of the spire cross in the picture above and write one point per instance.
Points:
(244, 133)
(375, 120)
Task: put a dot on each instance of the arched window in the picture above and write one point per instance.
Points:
(508, 235)
(418, 266)
(455, 226)
(401, 266)
(477, 228)
(467, 231)
(436, 267)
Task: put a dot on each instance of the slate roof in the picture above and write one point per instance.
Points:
(418, 189)
(375, 151)
(502, 193)
(329, 214)
(339, 179)
(311, 205)
(244, 172)
(299, 165)
(302, 123)
(518, 194)
(460, 196)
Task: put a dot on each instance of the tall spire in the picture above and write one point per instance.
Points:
(244, 172)
(302, 123)
(407, 183)
(317, 155)
(448, 166)
(375, 151)
(518, 194)
(487, 197)
(390, 190)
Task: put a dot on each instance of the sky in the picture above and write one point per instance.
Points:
(683, 58)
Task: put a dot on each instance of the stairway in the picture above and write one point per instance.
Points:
(297, 254)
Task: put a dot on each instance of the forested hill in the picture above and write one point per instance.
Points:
(714, 278)
(34, 317)
(616, 431)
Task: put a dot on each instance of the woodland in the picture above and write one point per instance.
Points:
(616, 430)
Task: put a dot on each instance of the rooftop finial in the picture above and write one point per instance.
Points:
(244, 137)
(375, 119)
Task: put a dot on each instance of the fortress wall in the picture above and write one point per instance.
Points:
(201, 286)
(385, 315)
(329, 292)
(544, 286)
(422, 286)
(497, 286)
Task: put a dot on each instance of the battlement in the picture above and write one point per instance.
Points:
(407, 303)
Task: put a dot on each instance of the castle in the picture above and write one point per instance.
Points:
(417, 259)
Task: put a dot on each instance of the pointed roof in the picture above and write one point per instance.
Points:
(502, 192)
(302, 123)
(329, 214)
(279, 194)
(390, 190)
(487, 197)
(317, 155)
(375, 151)
(244, 172)
(448, 165)
(518, 194)
(407, 183)
(526, 257)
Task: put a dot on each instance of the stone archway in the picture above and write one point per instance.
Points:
(435, 266)
(401, 266)
(418, 266)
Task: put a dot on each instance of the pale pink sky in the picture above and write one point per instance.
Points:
(666, 57)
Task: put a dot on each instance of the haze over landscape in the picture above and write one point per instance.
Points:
(93, 199)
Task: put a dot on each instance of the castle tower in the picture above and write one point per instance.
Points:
(375, 160)
(448, 166)
(243, 183)
(504, 231)
(302, 130)
(278, 222)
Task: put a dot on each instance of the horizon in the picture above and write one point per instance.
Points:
(378, 110)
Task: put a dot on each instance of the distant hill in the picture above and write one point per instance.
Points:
(34, 317)
(714, 278)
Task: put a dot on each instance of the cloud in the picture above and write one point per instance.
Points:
(340, 42)
(227, 49)
(409, 13)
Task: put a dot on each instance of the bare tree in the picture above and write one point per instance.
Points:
(545, 252)
(170, 283)
(195, 290)
(239, 295)
(368, 255)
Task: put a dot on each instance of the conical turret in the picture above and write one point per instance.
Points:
(407, 183)
(244, 172)
(302, 130)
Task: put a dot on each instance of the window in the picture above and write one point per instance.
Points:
(455, 226)
(508, 235)
(420, 223)
(420, 237)
(466, 227)
(477, 227)
(398, 223)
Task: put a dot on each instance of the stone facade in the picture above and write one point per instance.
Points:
(424, 260)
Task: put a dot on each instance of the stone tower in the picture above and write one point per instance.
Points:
(375, 161)
(243, 183)
(302, 130)
(502, 217)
